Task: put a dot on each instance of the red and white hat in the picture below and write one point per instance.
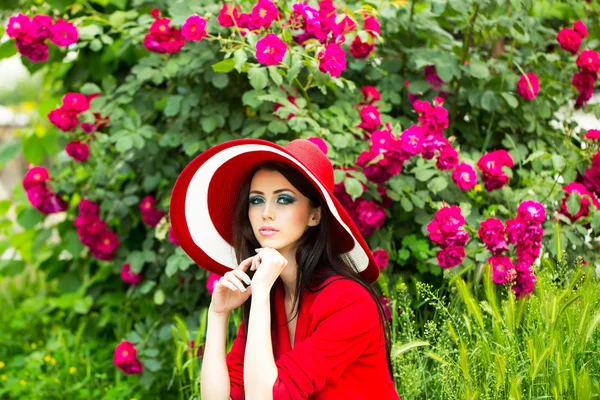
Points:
(202, 201)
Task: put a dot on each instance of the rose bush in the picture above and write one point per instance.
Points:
(439, 118)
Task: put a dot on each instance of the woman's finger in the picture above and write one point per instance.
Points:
(245, 264)
(242, 275)
(235, 281)
(223, 281)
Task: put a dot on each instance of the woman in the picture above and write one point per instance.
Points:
(264, 217)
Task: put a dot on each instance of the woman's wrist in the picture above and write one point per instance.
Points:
(218, 314)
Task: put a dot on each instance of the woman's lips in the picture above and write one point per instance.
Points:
(267, 232)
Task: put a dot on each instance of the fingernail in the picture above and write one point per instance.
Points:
(257, 249)
(234, 287)
(248, 281)
(243, 289)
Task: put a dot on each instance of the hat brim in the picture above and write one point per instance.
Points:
(203, 203)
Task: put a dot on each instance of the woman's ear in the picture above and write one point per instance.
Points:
(315, 217)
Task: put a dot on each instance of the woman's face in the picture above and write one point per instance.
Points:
(274, 202)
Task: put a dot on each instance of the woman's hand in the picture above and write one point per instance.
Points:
(268, 264)
(225, 298)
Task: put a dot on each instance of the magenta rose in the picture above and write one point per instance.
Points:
(52, 203)
(464, 176)
(107, 242)
(270, 50)
(371, 24)
(528, 86)
(320, 143)
(125, 358)
(447, 159)
(370, 118)
(531, 212)
(172, 237)
(63, 33)
(77, 150)
(370, 93)
(18, 26)
(194, 28)
(432, 77)
(88, 208)
(227, 15)
(210, 282)
(589, 60)
(451, 256)
(592, 134)
(63, 119)
(332, 60)
(503, 270)
(129, 277)
(580, 28)
(35, 176)
(381, 258)
(263, 14)
(360, 49)
(569, 40)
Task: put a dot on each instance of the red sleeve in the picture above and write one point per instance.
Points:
(347, 322)
(235, 365)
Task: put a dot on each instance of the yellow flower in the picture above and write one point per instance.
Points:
(4, 377)
(53, 361)
(477, 188)
(2, 364)
(33, 346)
(22, 382)
(72, 370)
(47, 358)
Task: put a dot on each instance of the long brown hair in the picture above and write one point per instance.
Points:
(314, 248)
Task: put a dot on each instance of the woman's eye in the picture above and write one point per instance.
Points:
(258, 200)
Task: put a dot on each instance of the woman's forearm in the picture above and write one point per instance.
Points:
(214, 378)
(260, 371)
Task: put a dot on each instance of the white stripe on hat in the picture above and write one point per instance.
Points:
(203, 232)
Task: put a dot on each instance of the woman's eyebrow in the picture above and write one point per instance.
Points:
(275, 192)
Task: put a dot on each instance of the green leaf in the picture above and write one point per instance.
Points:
(220, 81)
(224, 66)
(353, 187)
(274, 73)
(124, 143)
(29, 217)
(33, 149)
(406, 204)
(8, 49)
(173, 105)
(109, 83)
(239, 57)
(258, 78)
(573, 204)
(95, 45)
(89, 32)
(292, 73)
(277, 126)
(89, 88)
(208, 124)
(488, 100)
(8, 150)
(558, 162)
(136, 261)
(438, 184)
(152, 364)
(595, 222)
(510, 99)
(159, 297)
(479, 69)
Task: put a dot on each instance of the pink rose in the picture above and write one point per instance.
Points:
(35, 176)
(63, 119)
(172, 237)
(125, 358)
(381, 258)
(227, 15)
(347, 25)
(451, 256)
(531, 211)
(503, 270)
(569, 40)
(411, 140)
(580, 28)
(447, 159)
(270, 50)
(320, 143)
(584, 80)
(464, 176)
(370, 118)
(210, 282)
(592, 134)
(18, 26)
(589, 60)
(108, 242)
(194, 28)
(75, 102)
(381, 141)
(40, 27)
(332, 60)
(129, 277)
(63, 33)
(264, 13)
(77, 150)
(360, 49)
(371, 24)
(431, 75)
(370, 93)
(528, 86)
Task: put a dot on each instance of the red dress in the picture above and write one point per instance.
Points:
(339, 348)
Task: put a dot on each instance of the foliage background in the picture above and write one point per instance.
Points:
(166, 109)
